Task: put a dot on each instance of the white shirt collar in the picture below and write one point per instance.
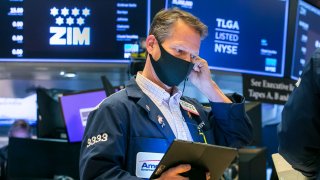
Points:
(158, 93)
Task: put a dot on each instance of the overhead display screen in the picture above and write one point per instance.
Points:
(72, 30)
(307, 36)
(244, 35)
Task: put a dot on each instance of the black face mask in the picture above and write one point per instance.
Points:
(169, 69)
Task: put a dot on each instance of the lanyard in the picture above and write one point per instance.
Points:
(203, 136)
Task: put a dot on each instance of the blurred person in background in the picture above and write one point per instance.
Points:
(19, 129)
(299, 131)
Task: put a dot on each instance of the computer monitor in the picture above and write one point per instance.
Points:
(27, 107)
(42, 159)
(50, 122)
(247, 36)
(252, 163)
(76, 108)
(253, 110)
(307, 36)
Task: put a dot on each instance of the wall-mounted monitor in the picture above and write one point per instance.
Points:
(244, 35)
(72, 30)
(76, 109)
(307, 36)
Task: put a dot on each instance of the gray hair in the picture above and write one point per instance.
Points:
(163, 20)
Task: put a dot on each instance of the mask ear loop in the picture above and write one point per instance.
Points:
(184, 85)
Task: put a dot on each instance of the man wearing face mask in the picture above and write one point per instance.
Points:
(130, 130)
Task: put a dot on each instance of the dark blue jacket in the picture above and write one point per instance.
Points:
(127, 123)
(299, 131)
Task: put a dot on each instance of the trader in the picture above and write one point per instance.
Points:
(19, 129)
(128, 133)
(299, 131)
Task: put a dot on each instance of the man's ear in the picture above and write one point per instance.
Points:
(151, 42)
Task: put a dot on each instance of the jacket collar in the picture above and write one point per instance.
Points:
(133, 89)
(192, 125)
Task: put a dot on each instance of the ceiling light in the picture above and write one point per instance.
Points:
(70, 75)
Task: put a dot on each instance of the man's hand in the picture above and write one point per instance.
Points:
(174, 173)
(200, 76)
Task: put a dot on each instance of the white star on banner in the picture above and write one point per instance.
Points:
(59, 21)
(65, 11)
(75, 12)
(80, 21)
(86, 12)
(54, 11)
(70, 21)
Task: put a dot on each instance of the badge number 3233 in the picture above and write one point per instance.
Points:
(95, 139)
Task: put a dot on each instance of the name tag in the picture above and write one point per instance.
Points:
(146, 163)
(189, 107)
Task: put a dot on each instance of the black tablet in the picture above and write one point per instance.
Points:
(204, 157)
